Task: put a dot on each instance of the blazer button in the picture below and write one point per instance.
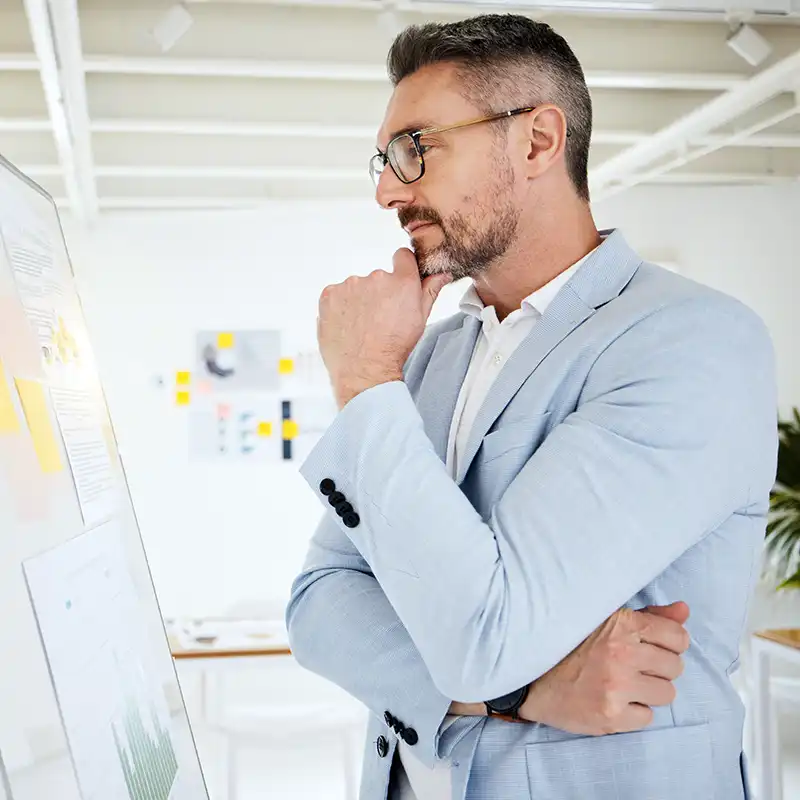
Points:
(382, 746)
(410, 736)
(343, 508)
(327, 487)
(351, 520)
(334, 498)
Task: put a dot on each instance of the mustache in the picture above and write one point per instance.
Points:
(410, 214)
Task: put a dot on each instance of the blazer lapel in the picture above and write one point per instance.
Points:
(441, 383)
(601, 278)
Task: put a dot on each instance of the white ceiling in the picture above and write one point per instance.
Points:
(274, 98)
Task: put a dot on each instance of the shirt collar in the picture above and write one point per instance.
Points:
(536, 302)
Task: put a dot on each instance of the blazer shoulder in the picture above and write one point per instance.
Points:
(660, 290)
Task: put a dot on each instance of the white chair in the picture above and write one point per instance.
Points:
(275, 703)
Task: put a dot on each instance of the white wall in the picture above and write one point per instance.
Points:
(216, 534)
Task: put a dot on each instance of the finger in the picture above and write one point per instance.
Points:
(662, 632)
(405, 263)
(650, 691)
(679, 612)
(658, 662)
(431, 287)
(634, 718)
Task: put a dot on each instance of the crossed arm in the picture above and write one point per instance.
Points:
(490, 606)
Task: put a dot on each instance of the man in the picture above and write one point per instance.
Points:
(590, 435)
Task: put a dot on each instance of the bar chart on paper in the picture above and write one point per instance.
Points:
(145, 753)
(113, 704)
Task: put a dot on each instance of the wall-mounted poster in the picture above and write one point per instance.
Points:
(239, 360)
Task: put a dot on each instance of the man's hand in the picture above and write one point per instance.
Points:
(609, 683)
(367, 327)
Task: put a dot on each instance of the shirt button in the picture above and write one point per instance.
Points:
(382, 746)
(498, 359)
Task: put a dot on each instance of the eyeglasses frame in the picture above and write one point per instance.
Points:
(417, 135)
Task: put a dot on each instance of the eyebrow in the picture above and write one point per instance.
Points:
(417, 126)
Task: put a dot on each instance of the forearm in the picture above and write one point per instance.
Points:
(342, 627)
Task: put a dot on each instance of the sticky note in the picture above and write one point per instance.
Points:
(286, 366)
(183, 378)
(183, 398)
(37, 415)
(290, 429)
(225, 341)
(265, 429)
(9, 422)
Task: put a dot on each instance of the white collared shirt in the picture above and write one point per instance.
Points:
(495, 344)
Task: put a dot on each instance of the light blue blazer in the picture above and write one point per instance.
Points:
(624, 456)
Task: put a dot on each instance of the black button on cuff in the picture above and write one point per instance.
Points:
(382, 746)
(351, 520)
(410, 736)
(344, 508)
(389, 719)
(327, 487)
(335, 498)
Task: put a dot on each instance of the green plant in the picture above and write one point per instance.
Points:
(783, 526)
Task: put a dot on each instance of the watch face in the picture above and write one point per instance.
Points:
(509, 702)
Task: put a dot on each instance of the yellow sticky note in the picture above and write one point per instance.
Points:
(286, 366)
(265, 429)
(183, 378)
(182, 398)
(37, 415)
(9, 422)
(290, 429)
(225, 341)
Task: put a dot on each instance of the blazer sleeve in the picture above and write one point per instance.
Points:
(674, 431)
(342, 627)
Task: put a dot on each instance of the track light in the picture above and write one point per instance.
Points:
(749, 44)
(172, 26)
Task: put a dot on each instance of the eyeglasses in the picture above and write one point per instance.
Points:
(405, 153)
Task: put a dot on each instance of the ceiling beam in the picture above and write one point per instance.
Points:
(24, 125)
(55, 31)
(294, 130)
(707, 118)
(334, 71)
(210, 172)
(18, 62)
(372, 73)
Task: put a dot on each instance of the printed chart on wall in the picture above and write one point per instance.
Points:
(44, 283)
(247, 401)
(115, 711)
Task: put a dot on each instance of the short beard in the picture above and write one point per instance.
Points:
(468, 251)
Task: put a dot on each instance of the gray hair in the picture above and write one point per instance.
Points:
(508, 59)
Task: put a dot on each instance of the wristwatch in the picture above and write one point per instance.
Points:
(508, 705)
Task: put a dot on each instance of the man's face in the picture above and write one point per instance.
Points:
(462, 215)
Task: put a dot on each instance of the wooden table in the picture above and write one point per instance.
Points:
(783, 644)
(219, 644)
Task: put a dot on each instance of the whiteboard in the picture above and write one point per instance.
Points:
(62, 485)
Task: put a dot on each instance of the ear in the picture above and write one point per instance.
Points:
(547, 134)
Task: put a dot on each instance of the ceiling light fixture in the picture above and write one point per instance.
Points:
(749, 44)
(172, 26)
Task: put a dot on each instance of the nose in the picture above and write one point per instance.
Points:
(391, 193)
